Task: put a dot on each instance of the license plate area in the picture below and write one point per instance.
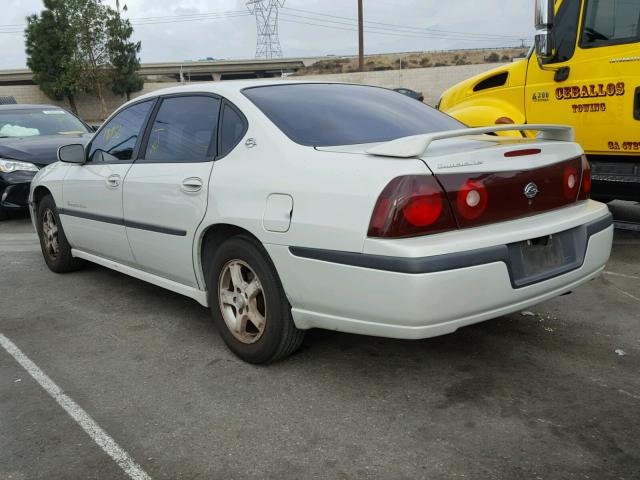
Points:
(538, 259)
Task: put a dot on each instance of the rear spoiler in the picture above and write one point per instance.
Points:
(416, 145)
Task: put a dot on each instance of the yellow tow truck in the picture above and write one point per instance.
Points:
(584, 71)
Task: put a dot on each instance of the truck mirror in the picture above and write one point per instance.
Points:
(544, 14)
(544, 24)
(544, 46)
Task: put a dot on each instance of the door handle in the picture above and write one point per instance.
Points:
(113, 181)
(191, 185)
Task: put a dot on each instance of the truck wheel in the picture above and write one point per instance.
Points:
(53, 242)
(248, 303)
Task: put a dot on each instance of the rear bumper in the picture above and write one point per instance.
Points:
(14, 190)
(364, 300)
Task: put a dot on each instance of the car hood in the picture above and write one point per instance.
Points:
(40, 150)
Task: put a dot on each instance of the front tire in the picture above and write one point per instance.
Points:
(248, 303)
(53, 242)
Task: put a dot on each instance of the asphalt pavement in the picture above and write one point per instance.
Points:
(550, 393)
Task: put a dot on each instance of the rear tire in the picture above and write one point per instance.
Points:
(53, 242)
(248, 303)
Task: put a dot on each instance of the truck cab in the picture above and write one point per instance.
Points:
(585, 72)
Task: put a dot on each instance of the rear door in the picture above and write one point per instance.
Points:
(92, 212)
(166, 190)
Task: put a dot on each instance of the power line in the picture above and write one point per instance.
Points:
(395, 33)
(402, 27)
(19, 28)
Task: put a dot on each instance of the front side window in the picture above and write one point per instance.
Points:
(611, 22)
(322, 115)
(117, 140)
(32, 122)
(184, 130)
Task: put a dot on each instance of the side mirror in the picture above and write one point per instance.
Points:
(72, 154)
(544, 15)
(544, 46)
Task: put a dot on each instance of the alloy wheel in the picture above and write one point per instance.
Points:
(50, 233)
(242, 301)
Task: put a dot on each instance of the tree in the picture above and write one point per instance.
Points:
(90, 26)
(80, 46)
(49, 41)
(123, 55)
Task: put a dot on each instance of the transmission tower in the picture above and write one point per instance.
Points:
(266, 12)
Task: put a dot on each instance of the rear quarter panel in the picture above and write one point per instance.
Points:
(333, 193)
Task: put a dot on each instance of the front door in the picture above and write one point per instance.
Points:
(597, 40)
(92, 212)
(166, 190)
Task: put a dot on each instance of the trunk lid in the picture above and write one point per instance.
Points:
(488, 179)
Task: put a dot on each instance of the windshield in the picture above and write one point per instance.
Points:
(38, 121)
(324, 115)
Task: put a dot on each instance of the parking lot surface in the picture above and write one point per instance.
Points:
(551, 393)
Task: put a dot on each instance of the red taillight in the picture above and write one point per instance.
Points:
(472, 199)
(570, 183)
(423, 211)
(409, 206)
(585, 188)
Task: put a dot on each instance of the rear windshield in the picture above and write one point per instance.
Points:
(323, 115)
(39, 121)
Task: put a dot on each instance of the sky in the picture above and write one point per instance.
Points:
(181, 30)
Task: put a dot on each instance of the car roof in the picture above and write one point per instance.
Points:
(227, 86)
(27, 106)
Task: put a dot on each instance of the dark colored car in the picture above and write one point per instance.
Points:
(30, 136)
(410, 93)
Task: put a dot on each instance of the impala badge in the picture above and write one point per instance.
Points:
(530, 190)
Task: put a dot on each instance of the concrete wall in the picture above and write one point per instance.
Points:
(430, 81)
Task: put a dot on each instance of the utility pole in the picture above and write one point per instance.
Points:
(360, 38)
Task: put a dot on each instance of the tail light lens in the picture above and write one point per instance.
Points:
(409, 206)
(570, 182)
(585, 188)
(472, 199)
(421, 204)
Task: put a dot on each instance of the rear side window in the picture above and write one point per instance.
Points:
(183, 130)
(231, 131)
(117, 140)
(611, 22)
(336, 114)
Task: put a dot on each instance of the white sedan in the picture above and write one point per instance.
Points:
(285, 206)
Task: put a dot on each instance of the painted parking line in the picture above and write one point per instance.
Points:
(623, 275)
(19, 242)
(88, 424)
